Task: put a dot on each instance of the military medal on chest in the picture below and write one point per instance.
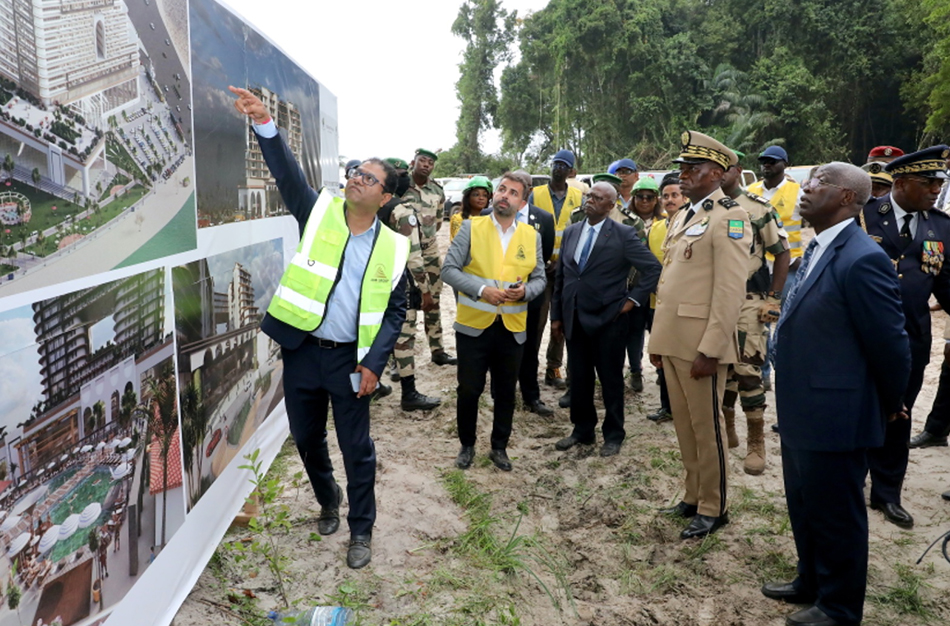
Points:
(931, 258)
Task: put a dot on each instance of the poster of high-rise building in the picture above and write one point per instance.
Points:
(234, 183)
(229, 372)
(91, 480)
(96, 145)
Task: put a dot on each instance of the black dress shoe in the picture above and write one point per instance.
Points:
(894, 513)
(636, 382)
(553, 378)
(500, 458)
(359, 554)
(381, 392)
(441, 357)
(610, 449)
(945, 495)
(415, 401)
(565, 401)
(775, 428)
(540, 408)
(812, 616)
(570, 441)
(465, 457)
(787, 592)
(660, 415)
(926, 440)
(702, 525)
(329, 520)
(680, 510)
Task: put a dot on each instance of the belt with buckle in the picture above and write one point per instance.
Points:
(328, 344)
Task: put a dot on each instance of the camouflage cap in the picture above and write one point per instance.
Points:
(429, 153)
(698, 147)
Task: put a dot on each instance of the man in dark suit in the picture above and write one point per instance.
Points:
(543, 223)
(915, 238)
(590, 305)
(844, 302)
(328, 332)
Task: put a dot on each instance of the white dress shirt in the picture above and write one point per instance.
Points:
(824, 239)
(585, 233)
(899, 214)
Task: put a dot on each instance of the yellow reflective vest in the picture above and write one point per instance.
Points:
(784, 201)
(494, 269)
(542, 199)
(301, 298)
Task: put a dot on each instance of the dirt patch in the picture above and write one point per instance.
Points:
(571, 538)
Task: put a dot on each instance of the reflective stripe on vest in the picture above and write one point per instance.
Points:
(301, 298)
(491, 268)
(573, 199)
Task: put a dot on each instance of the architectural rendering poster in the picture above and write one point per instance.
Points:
(95, 137)
(134, 376)
(229, 372)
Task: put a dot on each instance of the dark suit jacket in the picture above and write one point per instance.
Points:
(299, 198)
(916, 284)
(543, 222)
(598, 293)
(842, 354)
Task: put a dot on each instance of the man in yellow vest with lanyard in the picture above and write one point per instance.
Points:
(336, 315)
(495, 263)
(559, 199)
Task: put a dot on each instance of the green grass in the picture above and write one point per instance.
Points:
(41, 206)
(905, 596)
(121, 157)
(179, 235)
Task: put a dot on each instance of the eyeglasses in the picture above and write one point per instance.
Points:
(814, 183)
(368, 179)
(624, 171)
(645, 196)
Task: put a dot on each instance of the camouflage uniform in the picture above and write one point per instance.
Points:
(745, 379)
(404, 221)
(428, 202)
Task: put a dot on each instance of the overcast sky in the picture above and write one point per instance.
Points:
(395, 63)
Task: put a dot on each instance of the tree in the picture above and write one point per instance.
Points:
(159, 410)
(35, 175)
(127, 407)
(13, 597)
(488, 31)
(8, 164)
(194, 418)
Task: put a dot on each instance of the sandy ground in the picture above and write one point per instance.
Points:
(593, 521)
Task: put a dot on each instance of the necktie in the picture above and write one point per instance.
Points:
(689, 215)
(585, 251)
(906, 236)
(799, 276)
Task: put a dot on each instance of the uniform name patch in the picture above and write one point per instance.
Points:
(735, 229)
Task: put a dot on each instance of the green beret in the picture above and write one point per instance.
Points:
(429, 153)
(607, 178)
(399, 164)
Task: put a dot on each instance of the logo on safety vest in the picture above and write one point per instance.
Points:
(380, 274)
(521, 255)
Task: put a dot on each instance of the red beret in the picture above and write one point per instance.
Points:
(885, 151)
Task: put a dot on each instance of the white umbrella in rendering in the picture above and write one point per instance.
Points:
(121, 471)
(30, 499)
(64, 458)
(9, 523)
(18, 544)
(90, 514)
(51, 464)
(77, 450)
(100, 445)
(128, 455)
(115, 443)
(41, 471)
(86, 448)
(50, 537)
(68, 527)
(125, 442)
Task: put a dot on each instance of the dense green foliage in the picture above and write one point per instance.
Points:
(613, 78)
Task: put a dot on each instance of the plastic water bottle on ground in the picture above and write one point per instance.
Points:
(315, 616)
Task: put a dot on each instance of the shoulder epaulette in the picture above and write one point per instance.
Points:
(758, 198)
(626, 211)
(729, 203)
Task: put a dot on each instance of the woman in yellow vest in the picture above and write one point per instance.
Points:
(475, 199)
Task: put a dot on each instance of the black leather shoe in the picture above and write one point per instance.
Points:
(610, 449)
(775, 428)
(660, 415)
(415, 401)
(945, 495)
(926, 440)
(441, 357)
(553, 378)
(636, 382)
(680, 510)
(381, 392)
(894, 513)
(465, 457)
(812, 616)
(500, 459)
(703, 525)
(570, 441)
(565, 401)
(787, 593)
(539, 408)
(329, 520)
(360, 553)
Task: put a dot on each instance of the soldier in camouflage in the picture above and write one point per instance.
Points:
(401, 217)
(427, 199)
(762, 305)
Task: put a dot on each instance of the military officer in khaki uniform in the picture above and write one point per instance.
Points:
(427, 198)
(762, 304)
(698, 300)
